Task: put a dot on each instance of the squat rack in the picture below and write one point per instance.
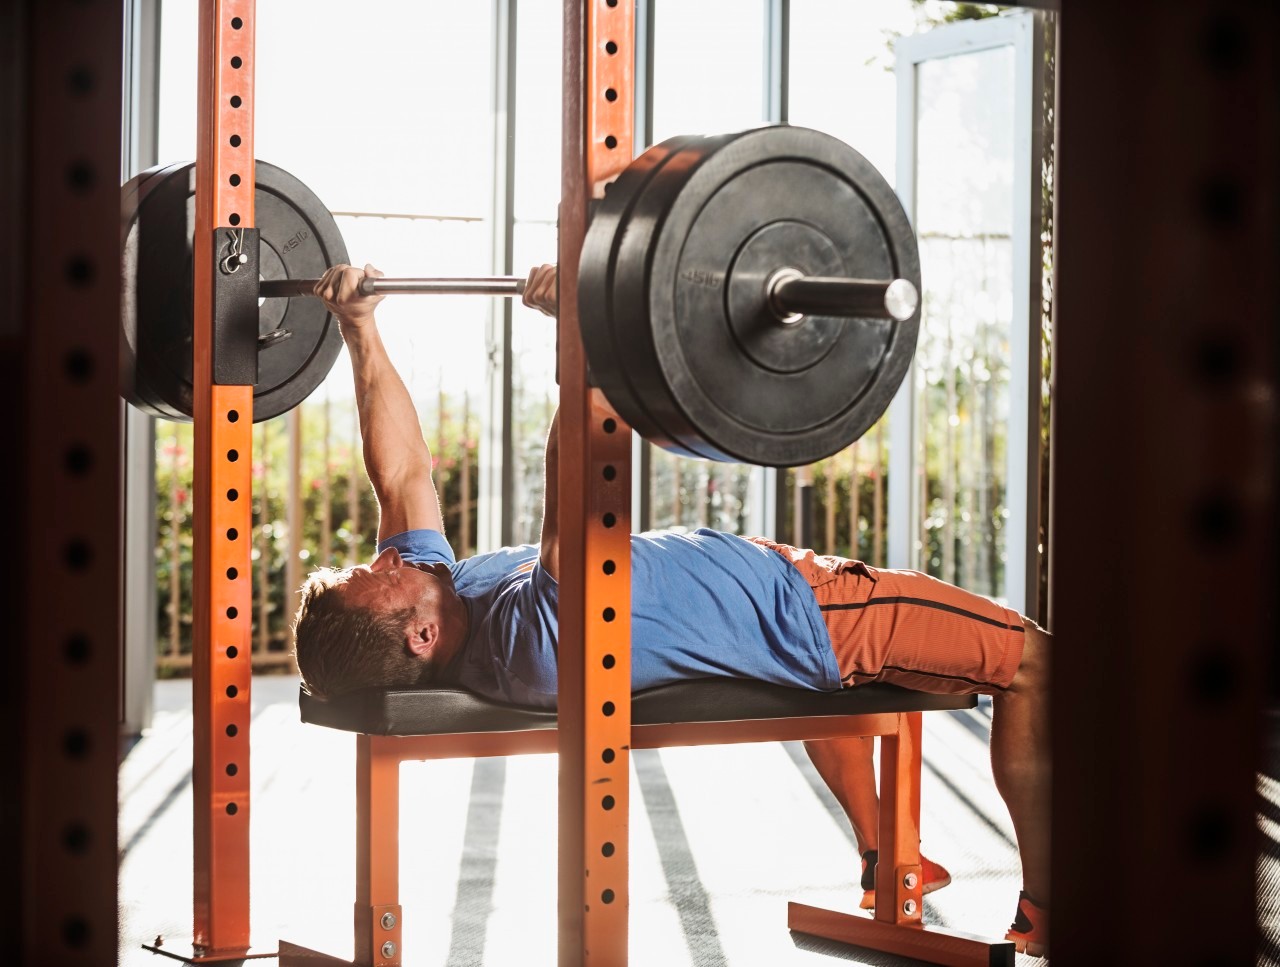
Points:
(594, 732)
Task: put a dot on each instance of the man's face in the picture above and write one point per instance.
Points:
(392, 584)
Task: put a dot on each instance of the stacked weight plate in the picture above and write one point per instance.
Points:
(299, 239)
(674, 303)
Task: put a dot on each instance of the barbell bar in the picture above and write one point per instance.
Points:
(497, 285)
(791, 294)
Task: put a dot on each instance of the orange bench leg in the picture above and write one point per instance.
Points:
(897, 926)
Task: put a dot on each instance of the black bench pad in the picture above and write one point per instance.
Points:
(446, 711)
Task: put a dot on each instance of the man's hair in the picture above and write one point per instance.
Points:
(340, 649)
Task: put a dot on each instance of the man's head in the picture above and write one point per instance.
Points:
(387, 623)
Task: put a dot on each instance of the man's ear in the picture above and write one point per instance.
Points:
(388, 560)
(422, 638)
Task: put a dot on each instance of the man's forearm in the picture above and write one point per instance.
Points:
(551, 501)
(393, 445)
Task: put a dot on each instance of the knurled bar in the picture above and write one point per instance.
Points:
(594, 516)
(223, 416)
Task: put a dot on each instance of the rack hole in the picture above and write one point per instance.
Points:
(233, 416)
(232, 651)
(608, 661)
(76, 838)
(235, 181)
(236, 63)
(77, 649)
(608, 755)
(609, 614)
(80, 80)
(610, 471)
(611, 95)
(609, 567)
(78, 555)
(609, 520)
(232, 809)
(76, 744)
(233, 494)
(610, 48)
(78, 365)
(79, 461)
(231, 731)
(232, 611)
(607, 896)
(610, 425)
(607, 849)
(232, 533)
(232, 768)
(80, 176)
(236, 23)
(610, 142)
(232, 574)
(75, 932)
(607, 802)
(234, 141)
(607, 708)
(232, 691)
(233, 455)
(234, 219)
(79, 270)
(235, 100)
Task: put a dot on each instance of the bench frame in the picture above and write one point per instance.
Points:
(379, 918)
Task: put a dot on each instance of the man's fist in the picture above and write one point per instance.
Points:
(541, 291)
(339, 288)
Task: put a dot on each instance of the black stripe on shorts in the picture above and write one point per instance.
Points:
(923, 603)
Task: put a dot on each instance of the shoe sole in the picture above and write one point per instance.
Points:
(868, 901)
(1023, 945)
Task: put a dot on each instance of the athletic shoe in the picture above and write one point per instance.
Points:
(1030, 930)
(935, 877)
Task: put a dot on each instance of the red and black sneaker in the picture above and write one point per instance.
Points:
(935, 877)
(1030, 930)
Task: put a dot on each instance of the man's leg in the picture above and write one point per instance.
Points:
(845, 766)
(1020, 759)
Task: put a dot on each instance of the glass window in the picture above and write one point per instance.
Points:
(708, 67)
(708, 79)
(965, 493)
(535, 394)
(408, 175)
(841, 72)
(964, 222)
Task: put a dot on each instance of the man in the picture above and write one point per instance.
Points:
(703, 604)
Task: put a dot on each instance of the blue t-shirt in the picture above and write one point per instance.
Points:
(703, 605)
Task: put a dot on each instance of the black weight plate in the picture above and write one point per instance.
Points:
(717, 373)
(624, 367)
(298, 238)
(749, 388)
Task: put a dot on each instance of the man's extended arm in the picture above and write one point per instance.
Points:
(542, 293)
(396, 456)
(550, 555)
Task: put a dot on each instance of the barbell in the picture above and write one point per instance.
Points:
(791, 295)
(750, 297)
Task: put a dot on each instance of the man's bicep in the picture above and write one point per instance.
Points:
(409, 502)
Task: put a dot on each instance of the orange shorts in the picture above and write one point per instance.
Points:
(908, 628)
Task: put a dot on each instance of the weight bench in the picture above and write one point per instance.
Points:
(398, 725)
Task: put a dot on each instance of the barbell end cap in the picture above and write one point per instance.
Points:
(901, 299)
